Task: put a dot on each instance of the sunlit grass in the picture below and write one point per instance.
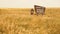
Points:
(19, 21)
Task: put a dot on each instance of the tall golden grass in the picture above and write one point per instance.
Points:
(19, 21)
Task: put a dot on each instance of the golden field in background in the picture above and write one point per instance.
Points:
(19, 21)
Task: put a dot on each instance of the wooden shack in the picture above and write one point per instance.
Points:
(39, 9)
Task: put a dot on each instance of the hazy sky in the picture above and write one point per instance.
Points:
(28, 3)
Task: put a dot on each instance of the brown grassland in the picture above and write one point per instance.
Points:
(19, 21)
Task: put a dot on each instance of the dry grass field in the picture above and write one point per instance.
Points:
(19, 21)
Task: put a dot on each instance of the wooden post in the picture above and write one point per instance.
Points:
(32, 11)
